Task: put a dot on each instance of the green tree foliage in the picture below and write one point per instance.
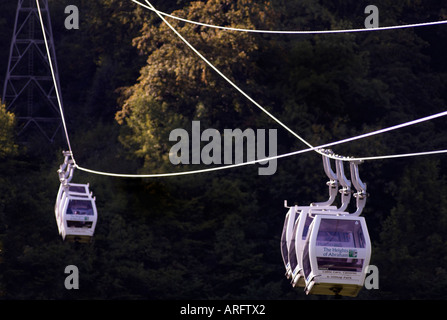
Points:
(176, 86)
(412, 242)
(8, 146)
(8, 151)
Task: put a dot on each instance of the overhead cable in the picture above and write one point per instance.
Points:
(311, 148)
(256, 103)
(415, 25)
(331, 144)
(236, 165)
(56, 87)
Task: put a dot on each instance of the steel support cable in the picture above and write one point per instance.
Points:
(246, 95)
(362, 136)
(415, 25)
(56, 87)
(311, 148)
(244, 163)
(236, 165)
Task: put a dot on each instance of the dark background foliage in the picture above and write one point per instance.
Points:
(127, 81)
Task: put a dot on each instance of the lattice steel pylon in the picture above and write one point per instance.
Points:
(29, 90)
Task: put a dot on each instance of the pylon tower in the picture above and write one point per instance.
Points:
(29, 90)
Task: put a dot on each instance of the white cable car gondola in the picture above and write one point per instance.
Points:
(70, 190)
(78, 217)
(75, 207)
(81, 190)
(338, 248)
(336, 255)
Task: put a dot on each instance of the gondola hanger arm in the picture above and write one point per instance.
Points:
(68, 175)
(355, 177)
(345, 183)
(333, 180)
(327, 165)
(67, 160)
(65, 170)
(360, 186)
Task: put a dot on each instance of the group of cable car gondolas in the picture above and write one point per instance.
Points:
(325, 249)
(75, 207)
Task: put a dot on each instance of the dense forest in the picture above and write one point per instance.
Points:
(127, 81)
